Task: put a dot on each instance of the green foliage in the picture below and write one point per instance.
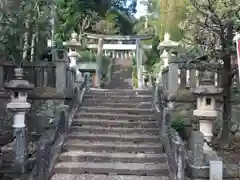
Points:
(134, 77)
(108, 25)
(19, 23)
(178, 124)
(153, 57)
(134, 73)
(104, 65)
(164, 16)
(86, 56)
(74, 15)
(105, 17)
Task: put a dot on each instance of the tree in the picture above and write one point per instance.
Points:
(108, 25)
(86, 16)
(212, 24)
(167, 16)
(22, 24)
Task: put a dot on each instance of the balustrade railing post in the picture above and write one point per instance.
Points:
(63, 125)
(172, 76)
(181, 163)
(43, 159)
(61, 73)
(180, 158)
(1, 77)
(193, 78)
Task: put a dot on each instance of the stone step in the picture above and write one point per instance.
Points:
(105, 177)
(117, 92)
(116, 146)
(119, 105)
(116, 130)
(109, 97)
(80, 156)
(128, 111)
(114, 137)
(114, 100)
(113, 116)
(115, 123)
(147, 169)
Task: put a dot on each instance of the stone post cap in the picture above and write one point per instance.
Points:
(19, 83)
(167, 43)
(73, 42)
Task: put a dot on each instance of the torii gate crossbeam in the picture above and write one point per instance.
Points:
(138, 47)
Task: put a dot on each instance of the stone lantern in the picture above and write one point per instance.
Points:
(73, 44)
(167, 45)
(169, 58)
(19, 106)
(73, 55)
(206, 106)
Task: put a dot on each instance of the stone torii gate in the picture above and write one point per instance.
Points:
(135, 49)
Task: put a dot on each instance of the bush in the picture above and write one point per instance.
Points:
(179, 125)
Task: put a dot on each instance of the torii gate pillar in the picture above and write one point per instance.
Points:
(139, 56)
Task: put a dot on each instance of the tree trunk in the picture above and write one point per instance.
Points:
(33, 44)
(227, 81)
(25, 42)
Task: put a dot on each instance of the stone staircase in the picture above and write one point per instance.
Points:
(121, 74)
(113, 136)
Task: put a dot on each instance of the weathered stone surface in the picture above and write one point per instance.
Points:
(135, 98)
(109, 115)
(197, 148)
(116, 130)
(116, 146)
(113, 137)
(80, 156)
(122, 139)
(149, 169)
(117, 92)
(104, 177)
(216, 172)
(119, 105)
(129, 111)
(119, 100)
(115, 123)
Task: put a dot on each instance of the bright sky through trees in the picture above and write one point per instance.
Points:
(141, 9)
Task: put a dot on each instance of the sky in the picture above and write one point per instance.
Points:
(141, 9)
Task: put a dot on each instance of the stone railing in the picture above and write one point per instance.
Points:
(175, 150)
(178, 75)
(40, 74)
(51, 142)
(48, 78)
(173, 144)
